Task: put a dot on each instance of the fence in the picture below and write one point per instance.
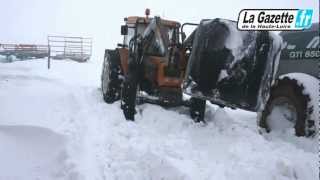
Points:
(74, 48)
(59, 47)
(24, 51)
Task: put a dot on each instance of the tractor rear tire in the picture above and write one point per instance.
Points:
(288, 94)
(111, 76)
(197, 109)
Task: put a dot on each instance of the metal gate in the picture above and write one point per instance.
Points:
(75, 48)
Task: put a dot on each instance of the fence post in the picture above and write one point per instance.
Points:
(82, 48)
(91, 47)
(65, 46)
(49, 56)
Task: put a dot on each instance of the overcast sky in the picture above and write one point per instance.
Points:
(30, 21)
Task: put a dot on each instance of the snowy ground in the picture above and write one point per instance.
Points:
(55, 125)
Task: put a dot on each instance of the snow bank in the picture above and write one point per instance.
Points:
(78, 136)
(11, 58)
(29, 152)
(2, 59)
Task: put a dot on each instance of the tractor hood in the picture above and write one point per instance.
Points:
(228, 66)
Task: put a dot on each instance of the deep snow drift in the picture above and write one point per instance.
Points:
(55, 125)
(29, 152)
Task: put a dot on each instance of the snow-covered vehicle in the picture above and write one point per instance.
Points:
(239, 69)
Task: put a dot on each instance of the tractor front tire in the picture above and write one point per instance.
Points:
(111, 76)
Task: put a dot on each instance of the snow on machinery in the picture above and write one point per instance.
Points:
(220, 64)
(229, 67)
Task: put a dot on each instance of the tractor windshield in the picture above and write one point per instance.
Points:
(169, 34)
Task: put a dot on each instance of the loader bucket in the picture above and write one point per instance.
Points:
(228, 66)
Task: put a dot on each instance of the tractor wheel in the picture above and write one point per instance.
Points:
(197, 109)
(110, 78)
(286, 108)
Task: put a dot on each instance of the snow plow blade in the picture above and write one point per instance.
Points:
(228, 65)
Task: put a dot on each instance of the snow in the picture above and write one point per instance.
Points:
(277, 44)
(29, 152)
(4, 59)
(55, 125)
(235, 39)
(277, 120)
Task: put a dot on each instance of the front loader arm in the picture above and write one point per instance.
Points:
(150, 43)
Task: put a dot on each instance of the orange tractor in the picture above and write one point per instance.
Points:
(149, 66)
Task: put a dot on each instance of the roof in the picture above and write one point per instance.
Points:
(134, 19)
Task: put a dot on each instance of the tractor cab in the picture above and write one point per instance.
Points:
(137, 25)
(164, 61)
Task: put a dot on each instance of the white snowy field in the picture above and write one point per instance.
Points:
(55, 125)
